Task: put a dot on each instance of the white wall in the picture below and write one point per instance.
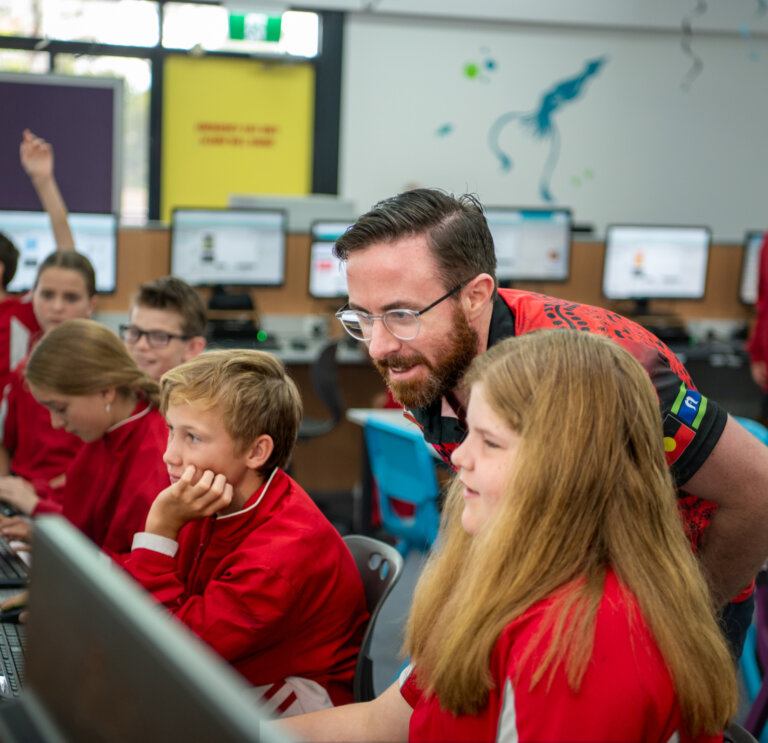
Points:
(635, 145)
(721, 15)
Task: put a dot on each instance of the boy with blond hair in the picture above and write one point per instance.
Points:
(236, 549)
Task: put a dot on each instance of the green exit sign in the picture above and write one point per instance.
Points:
(254, 26)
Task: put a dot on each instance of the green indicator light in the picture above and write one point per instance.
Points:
(261, 335)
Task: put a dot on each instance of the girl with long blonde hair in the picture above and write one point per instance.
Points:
(563, 601)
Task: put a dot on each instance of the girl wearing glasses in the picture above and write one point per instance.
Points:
(83, 376)
(562, 602)
(33, 456)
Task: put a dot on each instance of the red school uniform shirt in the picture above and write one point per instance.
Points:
(39, 452)
(19, 329)
(272, 589)
(113, 481)
(626, 693)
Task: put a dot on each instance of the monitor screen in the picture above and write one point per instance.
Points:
(95, 236)
(104, 661)
(244, 247)
(327, 274)
(750, 267)
(531, 244)
(644, 262)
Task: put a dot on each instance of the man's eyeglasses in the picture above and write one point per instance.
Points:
(403, 324)
(156, 338)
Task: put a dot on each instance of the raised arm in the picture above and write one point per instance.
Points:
(735, 476)
(37, 160)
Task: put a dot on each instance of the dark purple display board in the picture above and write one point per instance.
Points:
(80, 118)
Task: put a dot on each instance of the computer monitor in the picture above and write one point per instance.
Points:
(240, 247)
(645, 262)
(750, 267)
(104, 661)
(531, 244)
(327, 274)
(95, 236)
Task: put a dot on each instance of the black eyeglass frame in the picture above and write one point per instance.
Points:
(416, 314)
(170, 336)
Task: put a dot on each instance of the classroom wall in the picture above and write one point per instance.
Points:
(714, 15)
(618, 123)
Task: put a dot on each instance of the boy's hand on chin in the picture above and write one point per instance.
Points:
(195, 495)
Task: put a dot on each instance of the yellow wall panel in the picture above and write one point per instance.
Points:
(234, 126)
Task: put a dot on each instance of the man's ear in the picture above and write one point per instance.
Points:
(477, 294)
(259, 452)
(195, 346)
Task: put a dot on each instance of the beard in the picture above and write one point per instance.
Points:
(444, 372)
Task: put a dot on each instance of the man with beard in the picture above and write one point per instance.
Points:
(423, 297)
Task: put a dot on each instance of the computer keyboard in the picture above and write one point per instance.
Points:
(13, 645)
(13, 570)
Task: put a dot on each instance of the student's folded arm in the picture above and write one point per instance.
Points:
(157, 573)
(735, 476)
(385, 718)
(247, 609)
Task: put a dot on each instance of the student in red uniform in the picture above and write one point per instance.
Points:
(82, 374)
(563, 602)
(33, 455)
(18, 324)
(236, 549)
(167, 325)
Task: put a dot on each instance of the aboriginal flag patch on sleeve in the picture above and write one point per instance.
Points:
(677, 436)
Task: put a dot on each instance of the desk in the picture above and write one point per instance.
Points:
(394, 417)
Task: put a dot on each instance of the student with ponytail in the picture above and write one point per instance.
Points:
(563, 602)
(91, 386)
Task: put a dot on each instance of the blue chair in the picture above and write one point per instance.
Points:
(755, 428)
(404, 471)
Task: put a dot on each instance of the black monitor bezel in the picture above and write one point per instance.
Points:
(241, 210)
(312, 241)
(115, 231)
(527, 279)
(655, 226)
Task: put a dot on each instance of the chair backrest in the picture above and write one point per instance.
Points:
(404, 470)
(380, 566)
(325, 381)
(735, 733)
